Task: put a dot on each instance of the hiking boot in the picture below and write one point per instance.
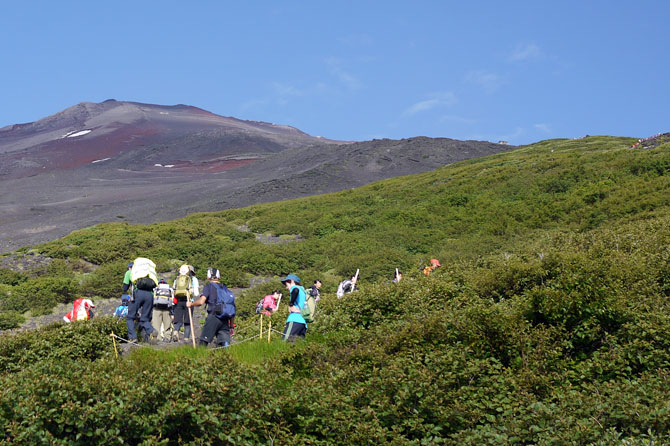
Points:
(152, 339)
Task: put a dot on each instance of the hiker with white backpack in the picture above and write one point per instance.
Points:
(144, 280)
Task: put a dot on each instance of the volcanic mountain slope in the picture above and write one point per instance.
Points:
(124, 161)
(185, 136)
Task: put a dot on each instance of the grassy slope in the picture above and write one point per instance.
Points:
(548, 323)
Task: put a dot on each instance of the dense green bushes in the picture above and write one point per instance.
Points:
(461, 211)
(547, 324)
(438, 360)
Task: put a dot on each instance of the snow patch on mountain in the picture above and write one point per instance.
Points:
(76, 133)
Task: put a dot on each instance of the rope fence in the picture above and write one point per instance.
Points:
(245, 329)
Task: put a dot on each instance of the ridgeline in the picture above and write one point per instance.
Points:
(548, 322)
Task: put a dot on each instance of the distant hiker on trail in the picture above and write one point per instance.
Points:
(315, 290)
(397, 277)
(122, 310)
(347, 286)
(220, 310)
(296, 326)
(269, 304)
(162, 317)
(186, 288)
(81, 310)
(127, 281)
(144, 280)
(434, 264)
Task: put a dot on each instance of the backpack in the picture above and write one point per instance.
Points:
(259, 306)
(163, 297)
(307, 311)
(344, 287)
(183, 288)
(143, 274)
(225, 303)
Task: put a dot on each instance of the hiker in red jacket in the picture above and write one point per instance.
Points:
(81, 310)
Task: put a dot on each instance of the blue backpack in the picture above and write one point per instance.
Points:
(225, 303)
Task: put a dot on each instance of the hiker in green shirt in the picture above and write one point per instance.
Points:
(127, 281)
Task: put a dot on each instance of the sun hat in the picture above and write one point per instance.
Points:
(292, 277)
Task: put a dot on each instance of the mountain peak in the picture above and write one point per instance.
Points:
(182, 134)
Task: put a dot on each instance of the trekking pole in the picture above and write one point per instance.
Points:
(190, 318)
(353, 285)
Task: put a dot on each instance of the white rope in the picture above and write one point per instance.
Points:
(126, 340)
(135, 344)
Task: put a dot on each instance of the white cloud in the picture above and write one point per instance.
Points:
(344, 76)
(255, 103)
(525, 51)
(456, 119)
(279, 93)
(284, 92)
(546, 128)
(444, 99)
(490, 82)
(421, 106)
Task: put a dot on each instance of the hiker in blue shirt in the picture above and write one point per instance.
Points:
(296, 327)
(122, 310)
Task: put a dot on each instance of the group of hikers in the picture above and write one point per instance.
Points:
(158, 311)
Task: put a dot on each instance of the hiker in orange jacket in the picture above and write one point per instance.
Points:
(434, 264)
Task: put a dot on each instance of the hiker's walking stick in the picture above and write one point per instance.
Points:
(190, 318)
(353, 285)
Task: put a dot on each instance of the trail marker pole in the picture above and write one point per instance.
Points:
(269, 328)
(261, 324)
(115, 350)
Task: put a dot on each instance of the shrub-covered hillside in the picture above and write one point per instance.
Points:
(548, 323)
(457, 213)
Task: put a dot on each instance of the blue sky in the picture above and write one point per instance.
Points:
(521, 71)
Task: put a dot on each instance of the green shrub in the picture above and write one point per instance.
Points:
(10, 319)
(13, 278)
(40, 295)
